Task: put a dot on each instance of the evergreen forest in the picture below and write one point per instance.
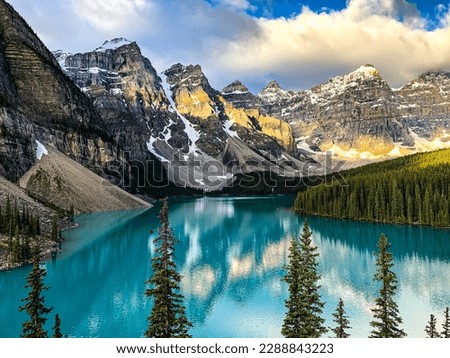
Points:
(410, 190)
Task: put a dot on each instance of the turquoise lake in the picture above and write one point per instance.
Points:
(231, 255)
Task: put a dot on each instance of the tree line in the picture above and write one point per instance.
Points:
(20, 227)
(409, 190)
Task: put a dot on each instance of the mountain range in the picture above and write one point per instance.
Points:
(357, 116)
(153, 133)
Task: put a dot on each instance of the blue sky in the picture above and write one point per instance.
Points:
(298, 43)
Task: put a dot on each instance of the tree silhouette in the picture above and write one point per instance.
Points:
(57, 327)
(386, 315)
(35, 301)
(168, 318)
(304, 306)
(446, 325)
(341, 320)
(430, 329)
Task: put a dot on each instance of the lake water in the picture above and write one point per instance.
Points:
(231, 255)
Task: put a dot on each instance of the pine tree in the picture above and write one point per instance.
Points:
(57, 327)
(26, 249)
(35, 302)
(7, 218)
(295, 315)
(431, 328)
(16, 248)
(386, 315)
(35, 225)
(446, 325)
(304, 307)
(341, 320)
(54, 232)
(168, 318)
(24, 216)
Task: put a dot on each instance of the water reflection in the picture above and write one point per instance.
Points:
(231, 255)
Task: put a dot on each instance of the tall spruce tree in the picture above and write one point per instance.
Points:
(341, 320)
(16, 247)
(304, 306)
(35, 301)
(446, 325)
(386, 315)
(295, 314)
(430, 329)
(57, 327)
(168, 318)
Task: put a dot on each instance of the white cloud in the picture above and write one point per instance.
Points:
(442, 15)
(114, 16)
(307, 49)
(396, 9)
(236, 4)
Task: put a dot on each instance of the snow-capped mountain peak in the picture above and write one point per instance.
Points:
(273, 93)
(235, 88)
(340, 84)
(368, 70)
(272, 86)
(113, 44)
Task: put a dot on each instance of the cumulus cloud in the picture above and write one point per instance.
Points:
(114, 16)
(396, 9)
(310, 47)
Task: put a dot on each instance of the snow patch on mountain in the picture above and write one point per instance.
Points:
(340, 84)
(152, 149)
(189, 128)
(61, 56)
(40, 150)
(227, 129)
(425, 145)
(113, 44)
(273, 93)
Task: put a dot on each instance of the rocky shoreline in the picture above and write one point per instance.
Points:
(47, 246)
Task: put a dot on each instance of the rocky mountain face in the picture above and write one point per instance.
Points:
(424, 105)
(358, 116)
(126, 91)
(357, 111)
(209, 109)
(201, 139)
(38, 101)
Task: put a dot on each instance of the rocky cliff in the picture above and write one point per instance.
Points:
(180, 120)
(214, 115)
(358, 116)
(242, 137)
(38, 101)
(424, 105)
